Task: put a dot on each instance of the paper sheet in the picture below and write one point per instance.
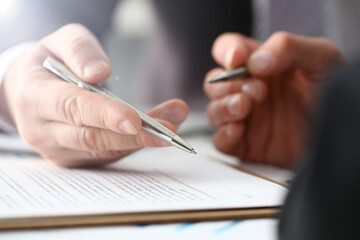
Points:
(147, 181)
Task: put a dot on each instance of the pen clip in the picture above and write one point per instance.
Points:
(60, 70)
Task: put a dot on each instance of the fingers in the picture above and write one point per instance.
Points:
(76, 106)
(172, 111)
(92, 139)
(71, 146)
(234, 107)
(79, 122)
(231, 50)
(254, 88)
(283, 50)
(65, 103)
(227, 137)
(79, 49)
(171, 114)
(221, 89)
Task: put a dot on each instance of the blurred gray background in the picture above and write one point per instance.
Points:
(159, 49)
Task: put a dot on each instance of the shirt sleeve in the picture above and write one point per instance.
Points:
(6, 58)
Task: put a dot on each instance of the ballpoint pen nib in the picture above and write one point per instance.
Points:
(182, 144)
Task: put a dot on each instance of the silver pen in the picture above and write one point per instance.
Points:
(240, 72)
(148, 124)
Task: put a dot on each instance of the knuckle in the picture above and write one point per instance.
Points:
(103, 114)
(86, 138)
(73, 34)
(89, 140)
(77, 38)
(69, 109)
(218, 141)
(78, 42)
(245, 106)
(283, 39)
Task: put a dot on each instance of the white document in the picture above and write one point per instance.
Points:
(154, 180)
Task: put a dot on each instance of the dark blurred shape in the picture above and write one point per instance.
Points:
(323, 202)
(193, 26)
(190, 27)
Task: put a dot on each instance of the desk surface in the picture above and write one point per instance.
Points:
(247, 229)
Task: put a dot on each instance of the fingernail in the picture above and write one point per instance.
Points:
(254, 89)
(229, 59)
(234, 105)
(260, 61)
(94, 67)
(126, 127)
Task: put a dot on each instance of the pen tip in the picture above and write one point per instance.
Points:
(193, 151)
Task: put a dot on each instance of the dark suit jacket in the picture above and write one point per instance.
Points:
(324, 198)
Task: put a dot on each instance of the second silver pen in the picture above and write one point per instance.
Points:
(149, 124)
(236, 73)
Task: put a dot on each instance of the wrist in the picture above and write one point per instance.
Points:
(7, 62)
(6, 90)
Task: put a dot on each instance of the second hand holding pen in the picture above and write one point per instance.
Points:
(149, 124)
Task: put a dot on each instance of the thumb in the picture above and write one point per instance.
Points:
(231, 50)
(283, 51)
(79, 49)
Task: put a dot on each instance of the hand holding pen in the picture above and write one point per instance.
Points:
(67, 124)
(260, 105)
(148, 123)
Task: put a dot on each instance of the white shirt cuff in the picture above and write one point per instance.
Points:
(6, 58)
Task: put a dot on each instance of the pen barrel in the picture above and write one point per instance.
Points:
(149, 124)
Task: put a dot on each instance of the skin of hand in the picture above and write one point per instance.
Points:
(67, 124)
(265, 118)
